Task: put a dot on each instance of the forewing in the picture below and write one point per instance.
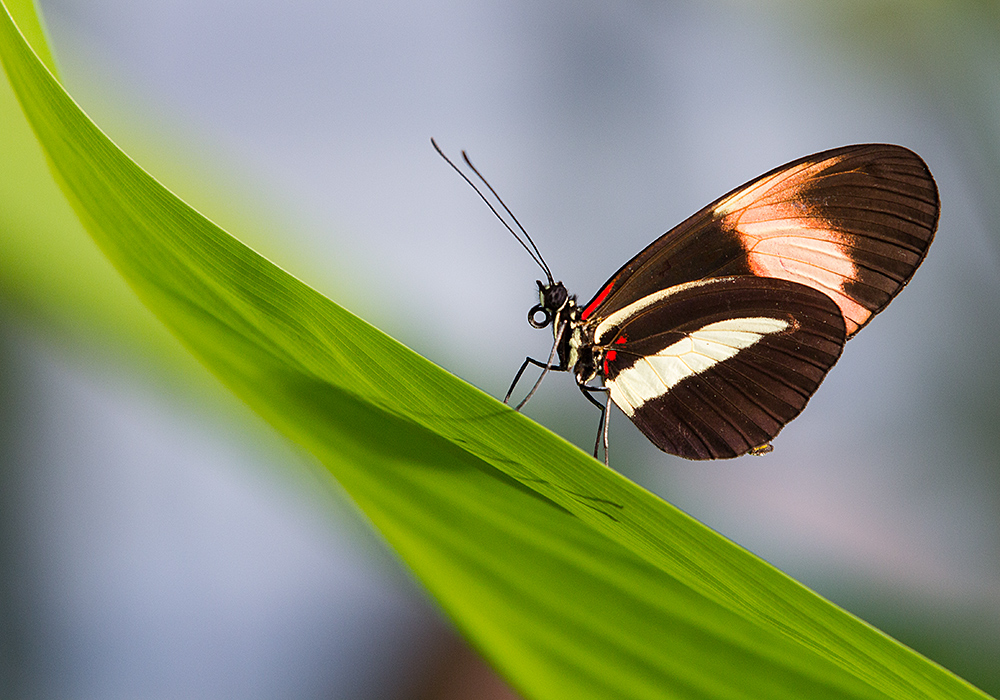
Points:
(716, 368)
(854, 223)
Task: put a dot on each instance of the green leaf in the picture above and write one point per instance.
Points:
(572, 580)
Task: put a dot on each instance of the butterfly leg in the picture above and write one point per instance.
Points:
(550, 364)
(517, 377)
(602, 426)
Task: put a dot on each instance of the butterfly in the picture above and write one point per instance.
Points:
(716, 335)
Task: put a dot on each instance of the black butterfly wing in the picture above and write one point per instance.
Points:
(715, 368)
(853, 222)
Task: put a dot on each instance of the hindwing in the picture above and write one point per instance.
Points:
(715, 368)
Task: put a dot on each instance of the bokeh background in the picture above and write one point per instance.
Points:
(156, 540)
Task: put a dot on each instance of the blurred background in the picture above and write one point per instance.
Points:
(157, 540)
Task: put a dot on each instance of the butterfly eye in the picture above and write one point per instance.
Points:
(546, 316)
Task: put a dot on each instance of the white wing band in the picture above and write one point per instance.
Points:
(654, 375)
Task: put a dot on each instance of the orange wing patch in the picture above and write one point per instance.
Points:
(786, 238)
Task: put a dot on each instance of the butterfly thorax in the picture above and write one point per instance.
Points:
(573, 336)
(584, 356)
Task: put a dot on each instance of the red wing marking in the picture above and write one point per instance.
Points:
(610, 356)
(596, 302)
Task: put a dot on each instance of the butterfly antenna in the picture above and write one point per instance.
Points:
(521, 228)
(533, 250)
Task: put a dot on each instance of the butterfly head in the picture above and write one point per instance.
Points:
(553, 299)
